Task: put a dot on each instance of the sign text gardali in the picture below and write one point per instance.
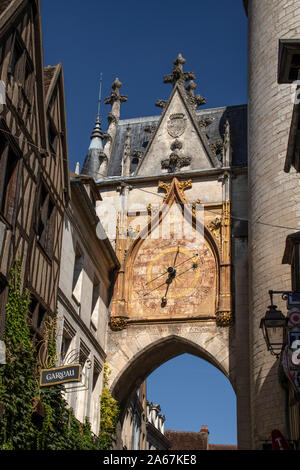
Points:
(59, 375)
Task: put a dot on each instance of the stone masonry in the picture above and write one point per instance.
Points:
(272, 198)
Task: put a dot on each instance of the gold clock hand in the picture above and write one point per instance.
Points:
(165, 272)
(194, 266)
(186, 260)
(176, 256)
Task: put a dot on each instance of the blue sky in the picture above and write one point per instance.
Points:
(191, 393)
(138, 42)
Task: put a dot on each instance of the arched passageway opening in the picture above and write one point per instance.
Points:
(146, 360)
(191, 393)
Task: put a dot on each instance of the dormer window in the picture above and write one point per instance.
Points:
(52, 135)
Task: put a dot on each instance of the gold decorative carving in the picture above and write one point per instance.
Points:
(183, 185)
(224, 318)
(166, 187)
(194, 205)
(118, 323)
(215, 227)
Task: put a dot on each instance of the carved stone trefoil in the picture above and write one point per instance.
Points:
(118, 323)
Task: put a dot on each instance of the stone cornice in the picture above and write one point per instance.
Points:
(210, 172)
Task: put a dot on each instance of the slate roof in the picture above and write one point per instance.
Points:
(236, 115)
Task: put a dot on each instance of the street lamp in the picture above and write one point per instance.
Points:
(273, 325)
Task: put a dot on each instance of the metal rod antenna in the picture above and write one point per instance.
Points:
(100, 91)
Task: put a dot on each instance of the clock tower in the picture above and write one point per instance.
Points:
(175, 208)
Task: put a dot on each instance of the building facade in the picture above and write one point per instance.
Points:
(88, 266)
(273, 204)
(153, 172)
(33, 162)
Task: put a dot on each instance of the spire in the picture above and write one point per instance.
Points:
(115, 100)
(95, 156)
(97, 131)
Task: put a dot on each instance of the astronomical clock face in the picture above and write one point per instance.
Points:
(172, 278)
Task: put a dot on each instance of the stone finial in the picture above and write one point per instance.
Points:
(115, 94)
(177, 75)
(116, 84)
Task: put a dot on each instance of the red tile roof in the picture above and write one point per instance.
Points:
(182, 440)
(221, 447)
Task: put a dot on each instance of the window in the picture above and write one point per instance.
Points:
(52, 135)
(46, 221)
(95, 408)
(77, 275)
(38, 316)
(9, 164)
(17, 61)
(21, 67)
(82, 397)
(66, 355)
(95, 306)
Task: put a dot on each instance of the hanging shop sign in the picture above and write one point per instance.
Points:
(293, 299)
(60, 375)
(279, 442)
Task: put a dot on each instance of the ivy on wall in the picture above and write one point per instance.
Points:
(109, 412)
(34, 419)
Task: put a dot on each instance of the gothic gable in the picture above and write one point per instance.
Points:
(178, 143)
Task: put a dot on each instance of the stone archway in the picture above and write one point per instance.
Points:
(136, 351)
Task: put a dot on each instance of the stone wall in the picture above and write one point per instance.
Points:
(273, 197)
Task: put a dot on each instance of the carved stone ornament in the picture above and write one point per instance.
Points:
(161, 103)
(176, 125)
(175, 162)
(217, 147)
(176, 145)
(118, 323)
(111, 118)
(206, 122)
(224, 319)
(150, 129)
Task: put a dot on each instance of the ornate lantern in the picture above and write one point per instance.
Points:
(274, 325)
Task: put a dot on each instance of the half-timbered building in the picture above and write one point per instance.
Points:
(34, 179)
